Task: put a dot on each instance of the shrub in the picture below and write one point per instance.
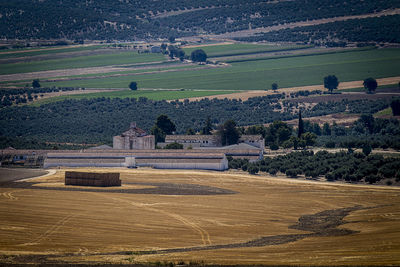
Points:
(253, 169)
(174, 146)
(274, 146)
(371, 179)
(133, 86)
(272, 171)
(291, 173)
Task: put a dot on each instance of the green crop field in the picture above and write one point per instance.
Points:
(80, 62)
(251, 75)
(154, 95)
(240, 49)
(44, 51)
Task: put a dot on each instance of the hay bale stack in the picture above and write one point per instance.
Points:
(92, 179)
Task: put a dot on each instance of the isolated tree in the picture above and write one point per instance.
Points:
(331, 82)
(274, 86)
(300, 129)
(165, 124)
(207, 127)
(395, 105)
(35, 84)
(198, 56)
(159, 135)
(228, 133)
(309, 138)
(370, 84)
(133, 86)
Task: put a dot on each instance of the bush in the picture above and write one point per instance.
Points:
(272, 171)
(36, 84)
(292, 173)
(274, 146)
(244, 167)
(371, 179)
(367, 149)
(330, 177)
(174, 146)
(253, 169)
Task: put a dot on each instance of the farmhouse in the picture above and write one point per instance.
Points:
(205, 141)
(134, 138)
(135, 148)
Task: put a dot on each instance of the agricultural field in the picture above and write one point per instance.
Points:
(80, 62)
(162, 216)
(260, 74)
(18, 53)
(240, 67)
(215, 51)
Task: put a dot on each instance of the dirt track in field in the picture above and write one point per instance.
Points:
(268, 220)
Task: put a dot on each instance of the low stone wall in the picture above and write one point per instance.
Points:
(92, 179)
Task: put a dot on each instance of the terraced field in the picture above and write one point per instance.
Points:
(199, 217)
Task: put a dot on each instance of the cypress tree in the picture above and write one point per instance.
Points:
(300, 129)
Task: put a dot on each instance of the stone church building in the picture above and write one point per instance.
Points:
(134, 138)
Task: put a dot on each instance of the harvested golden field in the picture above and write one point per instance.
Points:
(199, 216)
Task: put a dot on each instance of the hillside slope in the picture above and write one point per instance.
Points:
(138, 19)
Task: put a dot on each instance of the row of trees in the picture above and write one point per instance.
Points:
(9, 97)
(97, 120)
(341, 166)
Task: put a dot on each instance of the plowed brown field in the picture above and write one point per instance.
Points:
(214, 217)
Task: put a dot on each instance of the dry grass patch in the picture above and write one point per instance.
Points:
(120, 226)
